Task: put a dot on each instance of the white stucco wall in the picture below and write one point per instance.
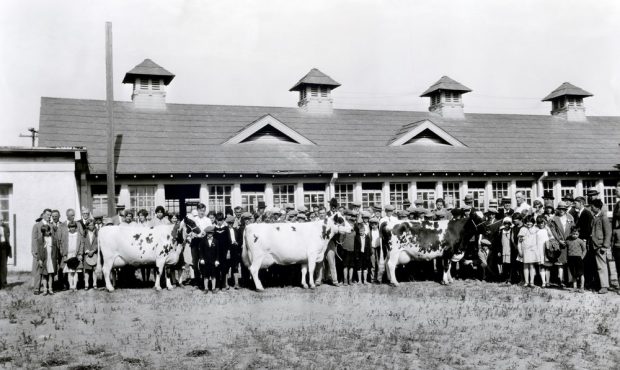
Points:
(36, 183)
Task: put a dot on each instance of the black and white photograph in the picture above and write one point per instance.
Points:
(321, 184)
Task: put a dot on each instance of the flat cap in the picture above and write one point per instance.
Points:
(389, 207)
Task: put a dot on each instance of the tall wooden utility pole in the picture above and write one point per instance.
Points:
(110, 106)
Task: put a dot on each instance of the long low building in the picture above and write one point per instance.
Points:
(228, 155)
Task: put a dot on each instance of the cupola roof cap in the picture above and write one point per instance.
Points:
(148, 68)
(567, 89)
(446, 83)
(315, 77)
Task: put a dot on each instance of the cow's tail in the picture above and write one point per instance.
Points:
(244, 250)
(99, 268)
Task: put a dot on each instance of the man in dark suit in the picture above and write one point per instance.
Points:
(583, 220)
(569, 200)
(601, 243)
(5, 251)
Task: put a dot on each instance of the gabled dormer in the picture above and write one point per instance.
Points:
(315, 90)
(446, 98)
(424, 132)
(149, 84)
(567, 102)
(268, 130)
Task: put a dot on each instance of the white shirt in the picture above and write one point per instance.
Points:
(375, 240)
(203, 222)
(563, 221)
(2, 236)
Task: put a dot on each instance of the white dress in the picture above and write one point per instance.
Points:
(49, 263)
(71, 250)
(542, 237)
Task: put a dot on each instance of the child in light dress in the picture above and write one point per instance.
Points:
(48, 255)
(542, 239)
(528, 250)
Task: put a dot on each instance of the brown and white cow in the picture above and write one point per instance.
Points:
(410, 241)
(288, 244)
(122, 245)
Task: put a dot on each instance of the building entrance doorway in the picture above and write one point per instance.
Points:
(182, 199)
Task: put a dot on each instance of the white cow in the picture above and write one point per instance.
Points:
(288, 244)
(410, 241)
(122, 245)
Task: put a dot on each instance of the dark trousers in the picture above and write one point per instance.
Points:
(195, 263)
(3, 269)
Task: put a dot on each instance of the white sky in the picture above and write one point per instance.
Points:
(384, 53)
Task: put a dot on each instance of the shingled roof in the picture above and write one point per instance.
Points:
(566, 89)
(446, 83)
(148, 68)
(315, 77)
(188, 138)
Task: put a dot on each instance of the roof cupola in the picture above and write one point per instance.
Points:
(567, 102)
(315, 92)
(446, 98)
(149, 84)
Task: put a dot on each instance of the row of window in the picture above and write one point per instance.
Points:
(314, 194)
(315, 91)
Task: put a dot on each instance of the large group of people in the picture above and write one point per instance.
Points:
(571, 245)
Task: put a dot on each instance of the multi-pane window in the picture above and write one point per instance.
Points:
(548, 186)
(100, 199)
(251, 194)
(283, 194)
(609, 194)
(588, 185)
(371, 194)
(568, 187)
(4, 203)
(172, 206)
(476, 189)
(452, 193)
(220, 199)
(525, 187)
(426, 193)
(500, 189)
(142, 197)
(452, 96)
(314, 195)
(399, 191)
(344, 194)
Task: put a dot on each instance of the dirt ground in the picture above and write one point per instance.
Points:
(419, 325)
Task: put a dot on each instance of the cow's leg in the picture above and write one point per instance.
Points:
(446, 271)
(107, 270)
(159, 269)
(311, 267)
(256, 263)
(319, 273)
(304, 271)
(390, 266)
(167, 274)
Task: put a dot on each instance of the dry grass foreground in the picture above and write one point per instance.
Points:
(469, 325)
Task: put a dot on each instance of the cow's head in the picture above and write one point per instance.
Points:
(190, 227)
(335, 225)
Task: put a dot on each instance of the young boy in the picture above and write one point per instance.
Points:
(576, 253)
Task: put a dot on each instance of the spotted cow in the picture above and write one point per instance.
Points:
(127, 245)
(289, 244)
(409, 241)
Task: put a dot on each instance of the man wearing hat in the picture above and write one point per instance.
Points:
(301, 217)
(583, 219)
(568, 199)
(601, 245)
(560, 226)
(259, 215)
(489, 242)
(506, 210)
(376, 269)
(389, 215)
(291, 216)
(548, 198)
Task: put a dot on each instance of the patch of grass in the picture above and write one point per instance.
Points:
(55, 360)
(94, 350)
